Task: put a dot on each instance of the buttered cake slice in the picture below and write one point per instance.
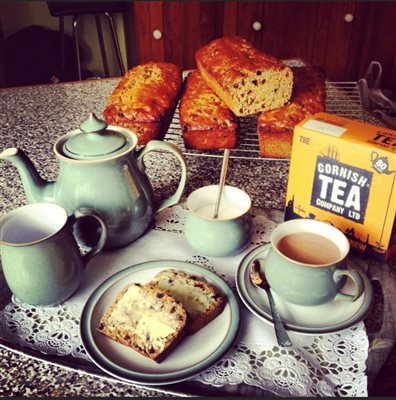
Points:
(145, 318)
(199, 299)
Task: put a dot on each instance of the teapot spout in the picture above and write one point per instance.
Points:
(36, 188)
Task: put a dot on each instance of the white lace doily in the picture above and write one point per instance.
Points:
(328, 365)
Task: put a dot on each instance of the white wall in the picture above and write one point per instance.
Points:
(17, 15)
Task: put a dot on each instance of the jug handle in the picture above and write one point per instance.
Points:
(154, 145)
(87, 212)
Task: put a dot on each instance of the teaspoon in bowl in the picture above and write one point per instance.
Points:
(223, 175)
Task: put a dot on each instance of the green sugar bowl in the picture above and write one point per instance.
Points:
(226, 235)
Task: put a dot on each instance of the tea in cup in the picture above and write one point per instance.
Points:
(42, 263)
(307, 264)
(225, 235)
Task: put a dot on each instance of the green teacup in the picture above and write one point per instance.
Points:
(225, 235)
(42, 263)
(307, 265)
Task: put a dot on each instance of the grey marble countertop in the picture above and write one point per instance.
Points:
(33, 118)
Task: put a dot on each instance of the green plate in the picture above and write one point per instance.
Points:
(326, 318)
(193, 355)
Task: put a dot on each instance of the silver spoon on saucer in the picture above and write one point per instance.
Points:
(223, 175)
(259, 281)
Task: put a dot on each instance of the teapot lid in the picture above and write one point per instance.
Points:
(95, 141)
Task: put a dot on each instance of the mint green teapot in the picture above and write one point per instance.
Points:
(101, 168)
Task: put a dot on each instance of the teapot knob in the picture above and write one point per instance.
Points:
(93, 124)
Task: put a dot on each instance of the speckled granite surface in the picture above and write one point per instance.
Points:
(33, 118)
(21, 375)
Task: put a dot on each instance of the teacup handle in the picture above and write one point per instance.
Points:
(171, 148)
(357, 280)
(87, 212)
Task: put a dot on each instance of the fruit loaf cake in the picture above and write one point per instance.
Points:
(248, 80)
(145, 318)
(197, 297)
(275, 128)
(206, 122)
(145, 99)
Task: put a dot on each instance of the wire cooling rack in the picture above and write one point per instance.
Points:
(342, 98)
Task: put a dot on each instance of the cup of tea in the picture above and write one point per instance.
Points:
(228, 233)
(42, 263)
(307, 263)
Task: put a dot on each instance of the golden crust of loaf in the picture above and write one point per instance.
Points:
(275, 128)
(199, 299)
(146, 319)
(145, 99)
(206, 122)
(248, 80)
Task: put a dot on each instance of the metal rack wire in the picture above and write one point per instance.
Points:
(342, 98)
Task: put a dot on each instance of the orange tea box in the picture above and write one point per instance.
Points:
(343, 172)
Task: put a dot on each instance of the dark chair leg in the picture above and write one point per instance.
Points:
(115, 41)
(62, 42)
(75, 36)
(102, 47)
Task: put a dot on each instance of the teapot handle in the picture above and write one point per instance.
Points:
(171, 148)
